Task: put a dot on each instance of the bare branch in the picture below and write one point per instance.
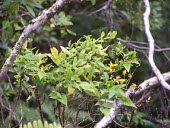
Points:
(34, 24)
(151, 47)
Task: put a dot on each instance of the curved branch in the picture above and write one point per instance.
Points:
(34, 24)
(151, 47)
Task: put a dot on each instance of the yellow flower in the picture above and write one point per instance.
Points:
(148, 100)
(134, 84)
(39, 62)
(122, 81)
(119, 43)
(130, 75)
(118, 77)
(124, 72)
(42, 68)
(111, 66)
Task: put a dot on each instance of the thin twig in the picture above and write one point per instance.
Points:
(10, 83)
(119, 124)
(105, 7)
(18, 96)
(131, 118)
(39, 104)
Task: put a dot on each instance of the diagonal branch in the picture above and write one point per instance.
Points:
(151, 46)
(34, 24)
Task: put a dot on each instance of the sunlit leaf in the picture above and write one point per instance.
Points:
(112, 35)
(25, 45)
(102, 35)
(127, 66)
(5, 24)
(63, 99)
(126, 101)
(107, 105)
(30, 10)
(54, 51)
(64, 49)
(71, 90)
(71, 32)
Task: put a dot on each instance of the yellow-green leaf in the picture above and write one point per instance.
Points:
(64, 49)
(102, 35)
(25, 45)
(54, 51)
(105, 111)
(71, 90)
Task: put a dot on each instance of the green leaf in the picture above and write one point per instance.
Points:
(105, 111)
(63, 99)
(8, 33)
(71, 32)
(112, 92)
(35, 4)
(11, 92)
(99, 103)
(89, 89)
(5, 24)
(64, 50)
(64, 20)
(127, 66)
(54, 94)
(41, 74)
(56, 58)
(116, 90)
(13, 8)
(54, 51)
(60, 97)
(135, 62)
(102, 35)
(126, 101)
(105, 76)
(100, 64)
(25, 45)
(107, 105)
(112, 35)
(30, 10)
(93, 2)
